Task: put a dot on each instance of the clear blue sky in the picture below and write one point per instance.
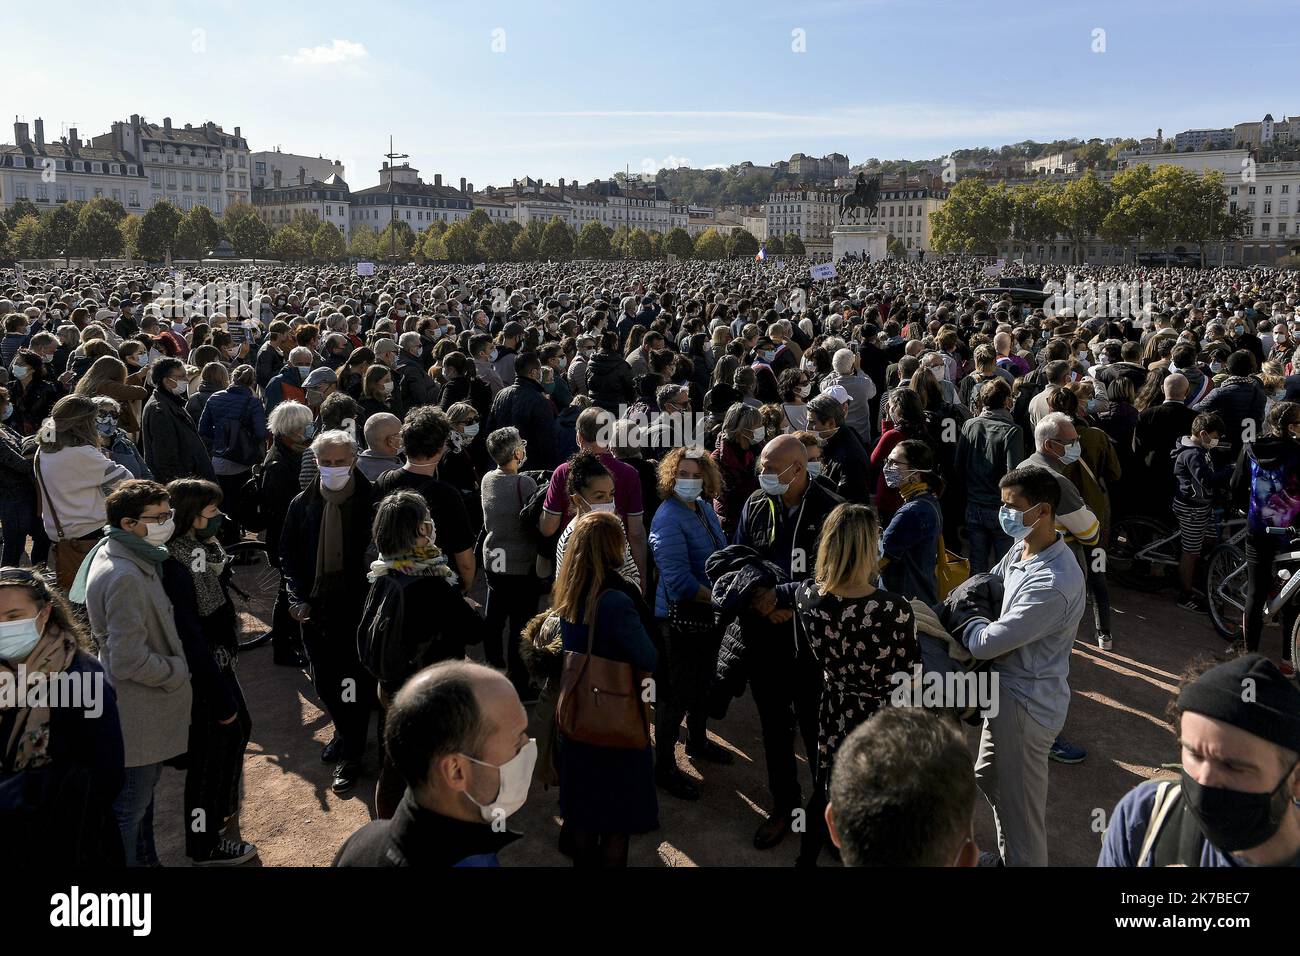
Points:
(581, 89)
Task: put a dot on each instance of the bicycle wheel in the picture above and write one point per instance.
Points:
(254, 583)
(1130, 537)
(1225, 589)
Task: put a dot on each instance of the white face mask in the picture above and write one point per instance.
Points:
(159, 533)
(604, 506)
(335, 478)
(387, 388)
(516, 774)
(758, 434)
(180, 388)
(471, 431)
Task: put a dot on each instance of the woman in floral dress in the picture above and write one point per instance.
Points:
(860, 634)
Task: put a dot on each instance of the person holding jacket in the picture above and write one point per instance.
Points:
(75, 752)
(171, 444)
(684, 534)
(1266, 485)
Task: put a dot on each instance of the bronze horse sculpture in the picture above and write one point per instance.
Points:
(865, 196)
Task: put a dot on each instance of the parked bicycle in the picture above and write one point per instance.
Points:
(1226, 587)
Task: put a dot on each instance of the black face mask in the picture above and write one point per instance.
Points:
(1234, 820)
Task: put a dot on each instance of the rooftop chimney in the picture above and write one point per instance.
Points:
(72, 137)
(135, 119)
(167, 123)
(302, 176)
(469, 187)
(40, 132)
(437, 179)
(20, 133)
(236, 132)
(462, 184)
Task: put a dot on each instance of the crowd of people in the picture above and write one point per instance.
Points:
(634, 492)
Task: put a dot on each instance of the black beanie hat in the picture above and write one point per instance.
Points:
(1248, 692)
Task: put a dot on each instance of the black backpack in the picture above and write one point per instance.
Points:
(1173, 838)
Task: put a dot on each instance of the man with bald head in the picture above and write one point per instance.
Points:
(458, 735)
(383, 434)
(1159, 430)
(782, 521)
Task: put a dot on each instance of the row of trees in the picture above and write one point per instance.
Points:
(1140, 206)
(103, 229)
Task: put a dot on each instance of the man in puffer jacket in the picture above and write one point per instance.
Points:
(1238, 399)
(609, 378)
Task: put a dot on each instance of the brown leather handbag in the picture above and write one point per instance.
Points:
(600, 699)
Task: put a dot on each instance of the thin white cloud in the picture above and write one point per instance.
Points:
(340, 51)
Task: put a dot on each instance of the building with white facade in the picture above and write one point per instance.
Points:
(905, 208)
(267, 163)
(1199, 139)
(197, 165)
(401, 195)
(810, 214)
(49, 174)
(328, 199)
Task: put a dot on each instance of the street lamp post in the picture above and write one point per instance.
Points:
(392, 156)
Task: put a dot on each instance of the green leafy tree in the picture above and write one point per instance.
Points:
(656, 245)
(710, 245)
(250, 237)
(432, 248)
(328, 245)
(396, 239)
(363, 243)
(290, 245)
(775, 247)
(27, 238)
(618, 242)
(678, 243)
(593, 242)
(158, 231)
(307, 222)
(638, 244)
(129, 227)
(895, 248)
(97, 235)
(493, 242)
(1031, 219)
(523, 249)
(460, 243)
(58, 225)
(190, 242)
(793, 245)
(557, 241)
(975, 218)
(1130, 218)
(20, 210)
(535, 228)
(742, 244)
(1078, 208)
(111, 206)
(478, 221)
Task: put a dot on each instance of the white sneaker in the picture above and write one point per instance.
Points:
(1104, 642)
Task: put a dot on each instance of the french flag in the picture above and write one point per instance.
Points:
(762, 254)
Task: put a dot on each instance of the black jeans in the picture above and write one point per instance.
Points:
(214, 767)
(787, 688)
(231, 486)
(682, 677)
(511, 603)
(1261, 550)
(345, 688)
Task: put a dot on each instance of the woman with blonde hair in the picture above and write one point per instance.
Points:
(860, 634)
(606, 793)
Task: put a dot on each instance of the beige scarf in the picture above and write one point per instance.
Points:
(329, 550)
(29, 740)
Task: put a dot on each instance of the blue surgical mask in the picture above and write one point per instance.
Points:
(814, 468)
(1071, 453)
(773, 485)
(17, 638)
(688, 489)
(9, 410)
(1013, 523)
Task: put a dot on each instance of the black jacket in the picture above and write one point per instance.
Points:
(280, 486)
(268, 364)
(525, 406)
(419, 837)
(780, 542)
(736, 573)
(170, 441)
(1238, 399)
(301, 535)
(610, 381)
(416, 385)
(847, 464)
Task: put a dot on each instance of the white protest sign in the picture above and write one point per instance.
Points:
(825, 270)
(365, 268)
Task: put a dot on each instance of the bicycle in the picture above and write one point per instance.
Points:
(1226, 588)
(1142, 549)
(254, 583)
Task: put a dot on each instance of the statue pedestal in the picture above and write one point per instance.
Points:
(869, 242)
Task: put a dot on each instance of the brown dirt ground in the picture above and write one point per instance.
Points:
(1117, 713)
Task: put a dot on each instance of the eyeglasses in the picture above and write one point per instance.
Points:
(162, 518)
